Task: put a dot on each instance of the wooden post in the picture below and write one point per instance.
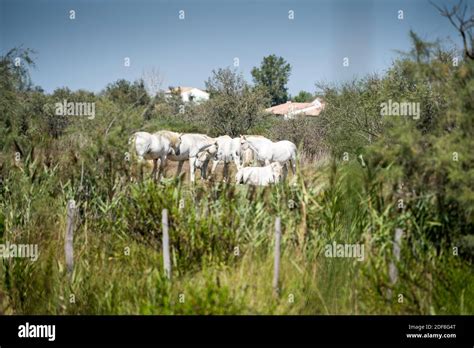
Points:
(69, 238)
(276, 268)
(392, 267)
(166, 244)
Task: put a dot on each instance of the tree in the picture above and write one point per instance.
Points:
(55, 124)
(429, 155)
(234, 106)
(351, 118)
(463, 24)
(153, 82)
(273, 74)
(421, 50)
(15, 82)
(123, 91)
(303, 97)
(174, 99)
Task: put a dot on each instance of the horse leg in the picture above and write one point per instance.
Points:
(204, 170)
(237, 161)
(180, 167)
(191, 168)
(155, 165)
(238, 177)
(213, 169)
(226, 171)
(162, 166)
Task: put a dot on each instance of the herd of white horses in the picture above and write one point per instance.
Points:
(259, 161)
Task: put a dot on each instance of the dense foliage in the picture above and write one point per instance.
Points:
(235, 106)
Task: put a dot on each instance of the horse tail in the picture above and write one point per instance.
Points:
(131, 147)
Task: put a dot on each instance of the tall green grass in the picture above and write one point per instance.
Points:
(221, 238)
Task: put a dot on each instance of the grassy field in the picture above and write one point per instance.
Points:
(221, 238)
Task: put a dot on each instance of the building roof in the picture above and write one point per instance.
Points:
(185, 89)
(283, 109)
(313, 108)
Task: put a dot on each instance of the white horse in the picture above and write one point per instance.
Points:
(190, 145)
(260, 176)
(228, 150)
(267, 151)
(247, 155)
(152, 147)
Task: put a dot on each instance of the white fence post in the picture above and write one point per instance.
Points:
(392, 267)
(69, 238)
(166, 244)
(276, 268)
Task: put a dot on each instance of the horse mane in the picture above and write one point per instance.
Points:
(252, 146)
(173, 137)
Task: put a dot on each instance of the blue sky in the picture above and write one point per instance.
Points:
(88, 52)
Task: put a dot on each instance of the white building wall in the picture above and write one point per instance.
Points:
(195, 94)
